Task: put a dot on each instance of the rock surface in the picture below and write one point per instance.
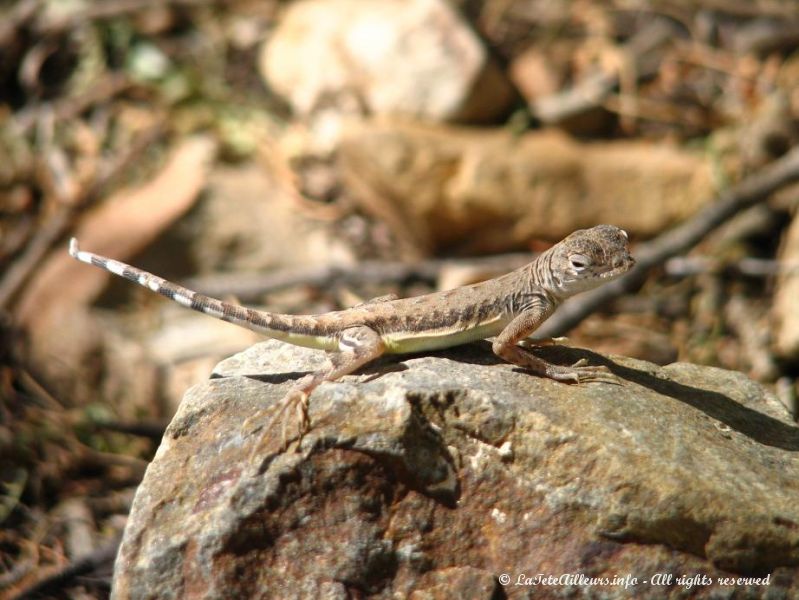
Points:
(476, 190)
(411, 57)
(432, 476)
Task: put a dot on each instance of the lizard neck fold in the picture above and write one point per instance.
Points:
(544, 277)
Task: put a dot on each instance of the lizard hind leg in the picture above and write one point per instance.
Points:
(357, 346)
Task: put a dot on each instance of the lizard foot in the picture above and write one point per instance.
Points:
(581, 372)
(297, 400)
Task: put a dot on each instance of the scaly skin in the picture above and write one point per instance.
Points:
(510, 307)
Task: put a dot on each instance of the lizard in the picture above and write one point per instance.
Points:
(508, 308)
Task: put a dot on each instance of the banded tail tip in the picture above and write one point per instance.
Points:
(73, 247)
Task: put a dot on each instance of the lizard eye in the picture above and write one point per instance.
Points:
(579, 262)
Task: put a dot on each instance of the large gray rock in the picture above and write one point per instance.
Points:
(432, 476)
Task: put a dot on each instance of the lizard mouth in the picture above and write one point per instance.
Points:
(620, 268)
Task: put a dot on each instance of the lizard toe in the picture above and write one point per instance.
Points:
(596, 374)
(581, 372)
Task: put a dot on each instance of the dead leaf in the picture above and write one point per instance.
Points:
(122, 226)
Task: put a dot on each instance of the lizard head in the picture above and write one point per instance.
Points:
(590, 257)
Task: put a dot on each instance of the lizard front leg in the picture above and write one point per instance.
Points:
(506, 347)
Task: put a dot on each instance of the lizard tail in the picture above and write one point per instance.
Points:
(296, 329)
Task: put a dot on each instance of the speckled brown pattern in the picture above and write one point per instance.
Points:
(510, 307)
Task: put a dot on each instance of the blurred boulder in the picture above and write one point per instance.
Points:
(411, 57)
(468, 191)
(785, 314)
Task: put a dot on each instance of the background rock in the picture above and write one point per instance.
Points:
(411, 57)
(477, 190)
(443, 472)
(244, 225)
(786, 319)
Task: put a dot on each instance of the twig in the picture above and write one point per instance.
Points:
(70, 107)
(55, 228)
(95, 458)
(655, 110)
(116, 502)
(152, 429)
(41, 243)
(15, 239)
(761, 36)
(751, 190)
(21, 14)
(592, 90)
(58, 579)
(26, 558)
(683, 266)
(38, 392)
(107, 10)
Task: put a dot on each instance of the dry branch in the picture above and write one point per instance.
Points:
(58, 579)
(680, 239)
(59, 223)
(592, 91)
